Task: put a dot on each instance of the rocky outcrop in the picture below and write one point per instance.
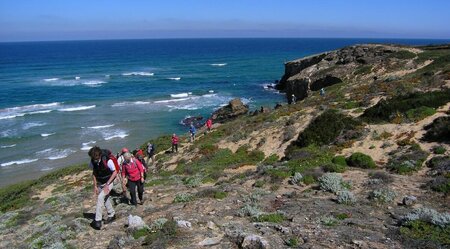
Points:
(234, 109)
(306, 75)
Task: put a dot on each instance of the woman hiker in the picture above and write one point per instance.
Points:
(133, 176)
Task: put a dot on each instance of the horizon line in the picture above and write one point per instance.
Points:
(221, 38)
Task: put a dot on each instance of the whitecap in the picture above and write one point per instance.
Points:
(20, 111)
(47, 134)
(170, 100)
(77, 108)
(218, 64)
(27, 126)
(120, 104)
(211, 91)
(8, 146)
(54, 154)
(174, 78)
(51, 79)
(86, 146)
(23, 161)
(93, 83)
(101, 126)
(77, 77)
(108, 135)
(8, 133)
(179, 95)
(46, 169)
(40, 112)
(138, 74)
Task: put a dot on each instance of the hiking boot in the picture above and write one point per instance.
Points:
(110, 219)
(141, 202)
(97, 225)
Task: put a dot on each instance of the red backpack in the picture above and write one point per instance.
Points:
(107, 155)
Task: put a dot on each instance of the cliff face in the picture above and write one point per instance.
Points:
(350, 64)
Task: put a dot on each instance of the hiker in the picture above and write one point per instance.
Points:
(293, 99)
(192, 131)
(120, 158)
(140, 156)
(322, 92)
(174, 143)
(151, 153)
(104, 170)
(208, 124)
(133, 176)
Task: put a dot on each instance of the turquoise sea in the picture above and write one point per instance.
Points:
(57, 99)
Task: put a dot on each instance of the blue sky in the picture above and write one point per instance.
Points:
(120, 19)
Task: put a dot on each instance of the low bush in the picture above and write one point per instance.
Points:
(160, 238)
(441, 184)
(346, 197)
(331, 182)
(272, 217)
(270, 160)
(325, 129)
(387, 110)
(340, 160)
(403, 55)
(438, 130)
(183, 197)
(420, 113)
(308, 180)
(407, 160)
(361, 160)
(439, 150)
(332, 167)
(383, 195)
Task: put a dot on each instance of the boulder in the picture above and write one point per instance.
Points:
(254, 242)
(210, 241)
(234, 109)
(135, 222)
(409, 200)
(196, 121)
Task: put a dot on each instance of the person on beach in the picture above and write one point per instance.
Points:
(192, 131)
(151, 153)
(133, 176)
(174, 143)
(103, 174)
(208, 124)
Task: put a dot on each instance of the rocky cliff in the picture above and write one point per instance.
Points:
(360, 63)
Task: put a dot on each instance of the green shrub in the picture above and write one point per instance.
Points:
(324, 129)
(278, 175)
(361, 160)
(421, 230)
(303, 159)
(183, 197)
(160, 238)
(346, 197)
(439, 150)
(193, 182)
(407, 160)
(259, 184)
(441, 184)
(211, 193)
(383, 195)
(332, 167)
(270, 160)
(292, 242)
(208, 149)
(331, 182)
(308, 180)
(403, 55)
(141, 233)
(329, 221)
(386, 110)
(343, 216)
(340, 160)
(272, 217)
(363, 70)
(438, 130)
(420, 113)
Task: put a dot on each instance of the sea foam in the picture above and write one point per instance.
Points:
(76, 108)
(218, 64)
(23, 161)
(8, 146)
(138, 74)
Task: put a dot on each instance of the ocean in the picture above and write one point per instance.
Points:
(58, 99)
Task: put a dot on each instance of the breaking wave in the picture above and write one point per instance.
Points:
(23, 161)
(76, 108)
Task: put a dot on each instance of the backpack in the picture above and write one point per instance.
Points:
(107, 155)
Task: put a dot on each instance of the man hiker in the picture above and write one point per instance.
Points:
(133, 176)
(104, 170)
(151, 153)
(174, 143)
(192, 131)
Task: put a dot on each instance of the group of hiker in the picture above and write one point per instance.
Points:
(129, 169)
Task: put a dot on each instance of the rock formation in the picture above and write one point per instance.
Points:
(234, 109)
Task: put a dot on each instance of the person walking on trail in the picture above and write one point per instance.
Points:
(174, 143)
(293, 99)
(133, 176)
(322, 92)
(192, 131)
(104, 172)
(151, 153)
(141, 158)
(208, 124)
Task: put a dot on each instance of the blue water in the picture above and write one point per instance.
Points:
(60, 98)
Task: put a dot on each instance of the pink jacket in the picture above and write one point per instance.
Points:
(132, 170)
(175, 140)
